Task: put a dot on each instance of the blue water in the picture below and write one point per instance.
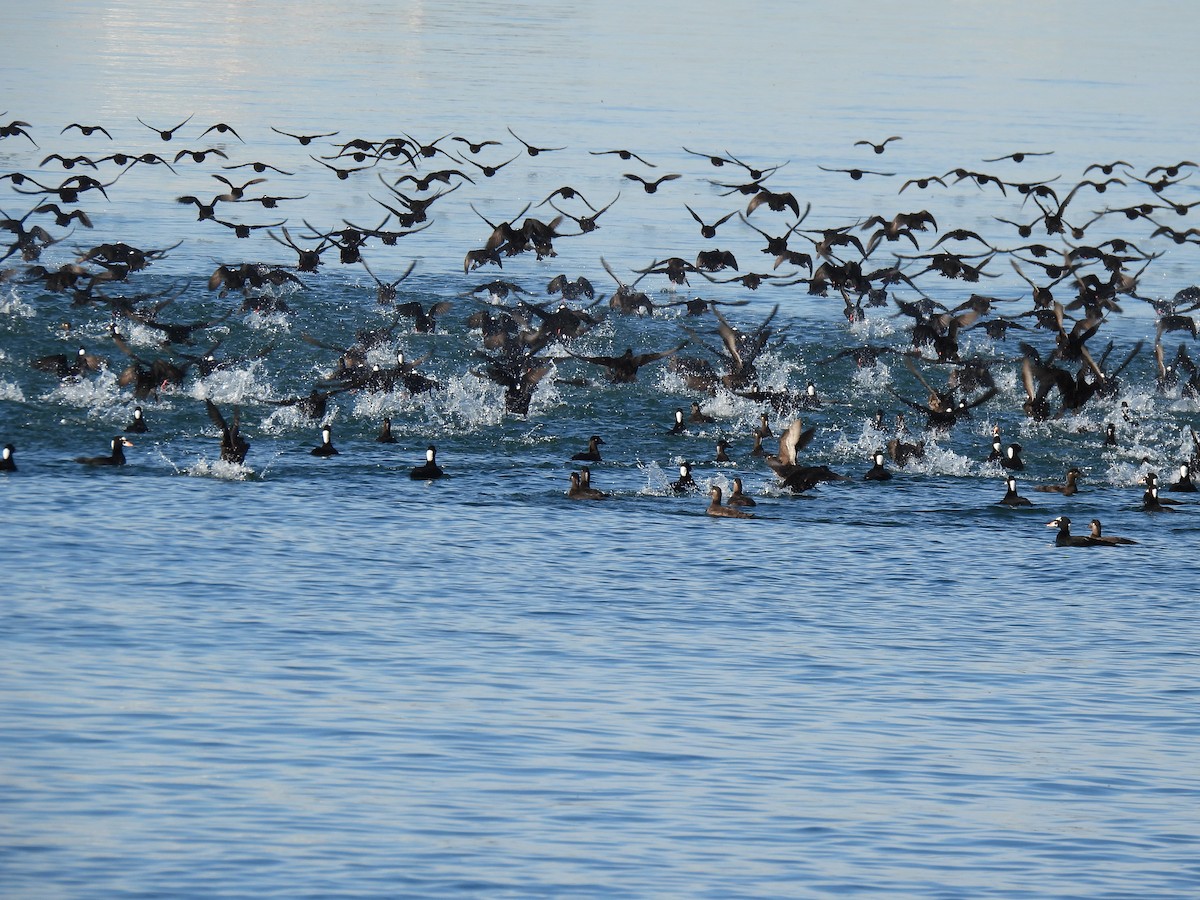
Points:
(308, 677)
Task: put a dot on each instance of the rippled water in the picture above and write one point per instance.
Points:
(318, 677)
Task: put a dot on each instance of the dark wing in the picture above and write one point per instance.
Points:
(215, 415)
(645, 358)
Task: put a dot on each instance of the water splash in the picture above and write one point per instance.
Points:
(231, 386)
(13, 306)
(219, 469)
(100, 395)
(11, 391)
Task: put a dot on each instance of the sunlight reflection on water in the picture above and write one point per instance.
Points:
(348, 684)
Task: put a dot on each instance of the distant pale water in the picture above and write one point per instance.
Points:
(318, 677)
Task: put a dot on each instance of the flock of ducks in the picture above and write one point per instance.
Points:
(1074, 273)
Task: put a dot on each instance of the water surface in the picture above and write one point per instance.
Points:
(320, 678)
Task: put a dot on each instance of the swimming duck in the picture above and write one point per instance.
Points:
(7, 463)
(592, 453)
(1151, 502)
(997, 453)
(137, 425)
(725, 512)
(116, 458)
(1011, 497)
(685, 482)
(764, 427)
(582, 489)
(326, 448)
(877, 472)
(429, 469)
(1067, 489)
(697, 417)
(1012, 458)
(1099, 537)
(737, 498)
(1064, 538)
(1184, 483)
(385, 435)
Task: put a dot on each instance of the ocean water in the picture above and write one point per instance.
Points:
(318, 677)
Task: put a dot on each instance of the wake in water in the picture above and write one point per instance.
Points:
(876, 332)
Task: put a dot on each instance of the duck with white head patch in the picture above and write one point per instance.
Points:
(1011, 497)
(326, 449)
(1012, 458)
(115, 458)
(429, 469)
(877, 472)
(1184, 483)
(137, 425)
(685, 482)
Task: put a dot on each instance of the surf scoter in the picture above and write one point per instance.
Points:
(697, 417)
(385, 435)
(903, 451)
(810, 400)
(116, 458)
(592, 453)
(1099, 537)
(737, 498)
(7, 463)
(430, 469)
(583, 490)
(1011, 497)
(1185, 480)
(1064, 538)
(877, 472)
(326, 448)
(997, 453)
(137, 425)
(1012, 458)
(234, 447)
(725, 512)
(1067, 489)
(685, 482)
(1151, 502)
(794, 475)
